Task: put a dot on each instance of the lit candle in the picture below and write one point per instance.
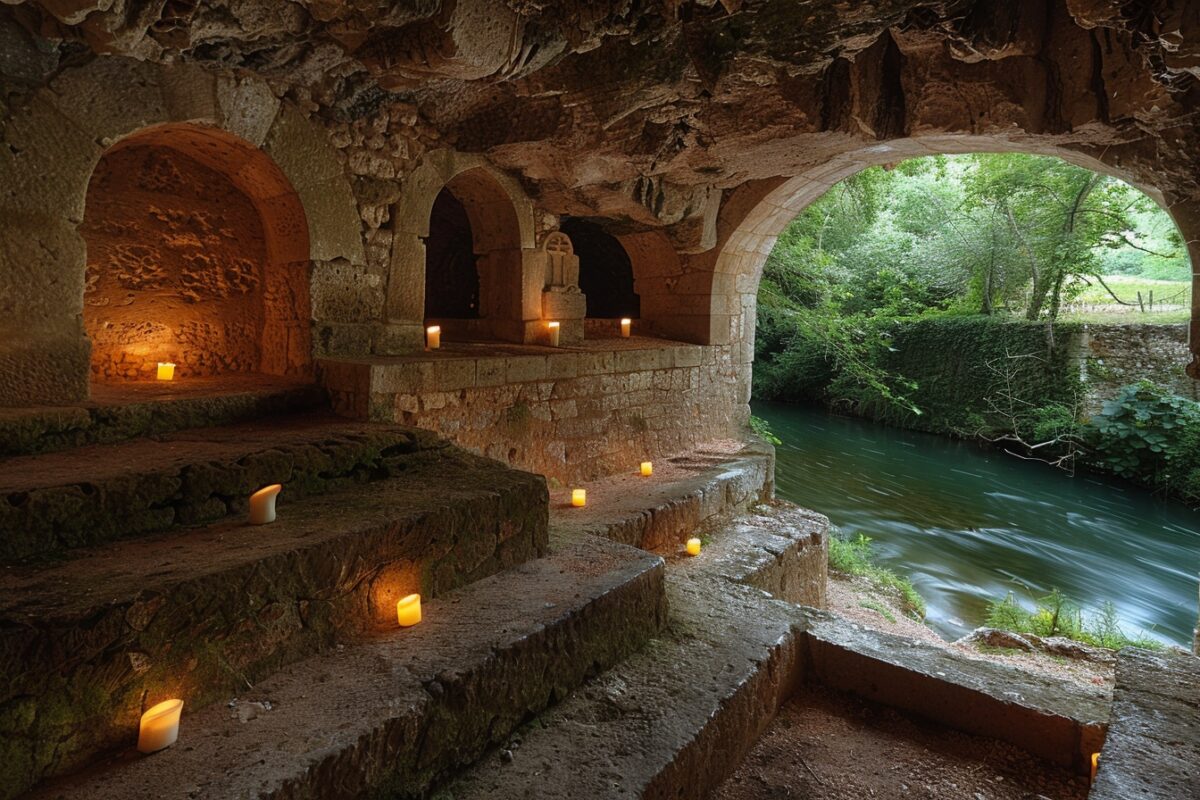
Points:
(693, 547)
(626, 326)
(166, 371)
(408, 610)
(262, 504)
(647, 469)
(433, 337)
(160, 726)
(553, 328)
(1095, 765)
(579, 497)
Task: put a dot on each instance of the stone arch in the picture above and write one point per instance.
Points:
(722, 284)
(53, 143)
(223, 294)
(503, 235)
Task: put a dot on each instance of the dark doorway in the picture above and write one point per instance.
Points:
(605, 271)
(451, 277)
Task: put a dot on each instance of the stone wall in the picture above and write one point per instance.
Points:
(1112, 356)
(577, 414)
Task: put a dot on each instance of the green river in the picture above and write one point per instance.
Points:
(969, 524)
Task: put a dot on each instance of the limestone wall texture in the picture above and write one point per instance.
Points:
(692, 131)
(174, 273)
(571, 415)
(1112, 356)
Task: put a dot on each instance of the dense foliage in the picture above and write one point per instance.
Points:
(1150, 436)
(894, 294)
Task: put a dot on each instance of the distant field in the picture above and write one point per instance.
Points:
(1172, 299)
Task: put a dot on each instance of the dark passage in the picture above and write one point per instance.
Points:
(605, 271)
(451, 279)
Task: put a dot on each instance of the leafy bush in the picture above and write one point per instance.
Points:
(762, 429)
(854, 557)
(1056, 615)
(1149, 435)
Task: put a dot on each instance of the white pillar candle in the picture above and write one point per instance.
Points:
(262, 504)
(408, 610)
(626, 327)
(579, 497)
(553, 328)
(693, 547)
(647, 469)
(433, 337)
(166, 371)
(160, 726)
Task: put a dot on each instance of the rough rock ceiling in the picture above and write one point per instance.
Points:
(639, 110)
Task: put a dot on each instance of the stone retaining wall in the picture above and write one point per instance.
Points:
(1112, 356)
(570, 415)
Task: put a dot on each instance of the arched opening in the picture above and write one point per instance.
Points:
(985, 297)
(197, 255)
(473, 260)
(451, 277)
(605, 271)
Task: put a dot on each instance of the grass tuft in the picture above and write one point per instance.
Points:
(854, 557)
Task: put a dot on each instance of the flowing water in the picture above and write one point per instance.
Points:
(969, 524)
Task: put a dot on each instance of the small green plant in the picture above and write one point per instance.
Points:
(854, 557)
(1057, 615)
(879, 608)
(762, 429)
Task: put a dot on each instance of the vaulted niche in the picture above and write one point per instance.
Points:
(473, 260)
(451, 277)
(605, 271)
(184, 266)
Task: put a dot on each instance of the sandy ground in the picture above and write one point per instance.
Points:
(847, 596)
(829, 746)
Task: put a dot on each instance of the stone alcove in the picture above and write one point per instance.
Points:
(188, 262)
(473, 260)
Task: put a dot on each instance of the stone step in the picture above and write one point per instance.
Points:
(128, 411)
(1152, 751)
(201, 613)
(685, 494)
(675, 719)
(98, 493)
(390, 716)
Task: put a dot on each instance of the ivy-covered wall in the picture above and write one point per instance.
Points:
(972, 374)
(963, 375)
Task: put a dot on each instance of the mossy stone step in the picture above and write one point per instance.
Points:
(203, 614)
(120, 412)
(390, 717)
(56, 501)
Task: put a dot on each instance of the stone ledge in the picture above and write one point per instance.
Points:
(392, 715)
(1049, 718)
(100, 493)
(777, 547)
(118, 413)
(1152, 751)
(202, 613)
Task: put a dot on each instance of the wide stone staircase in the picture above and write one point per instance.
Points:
(130, 576)
(564, 652)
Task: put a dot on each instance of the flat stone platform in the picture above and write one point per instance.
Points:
(390, 716)
(200, 613)
(119, 411)
(1152, 751)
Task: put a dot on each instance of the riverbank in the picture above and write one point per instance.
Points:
(865, 602)
(970, 525)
